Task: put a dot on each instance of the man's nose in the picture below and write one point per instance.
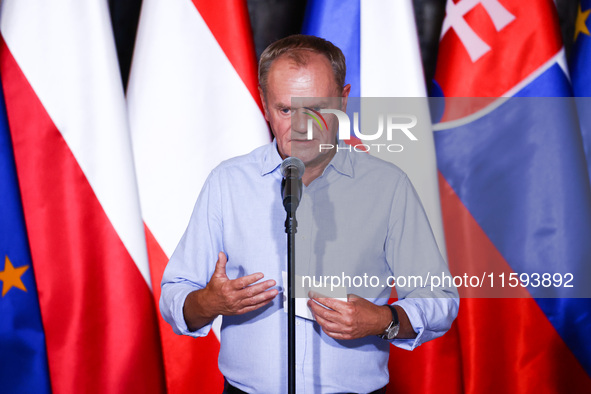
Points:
(299, 122)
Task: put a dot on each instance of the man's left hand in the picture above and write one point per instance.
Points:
(356, 318)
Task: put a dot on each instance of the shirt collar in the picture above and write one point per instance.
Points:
(341, 161)
(271, 159)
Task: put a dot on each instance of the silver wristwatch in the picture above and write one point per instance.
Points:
(394, 327)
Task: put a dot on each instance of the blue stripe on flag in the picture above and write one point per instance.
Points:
(552, 83)
(572, 319)
(338, 21)
(23, 356)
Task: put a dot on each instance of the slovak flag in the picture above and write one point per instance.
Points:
(515, 195)
(192, 102)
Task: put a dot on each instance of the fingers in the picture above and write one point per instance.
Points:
(245, 281)
(336, 314)
(320, 311)
(253, 297)
(240, 295)
(255, 306)
(353, 297)
(331, 322)
(253, 290)
(239, 283)
(220, 265)
(256, 301)
(249, 295)
(332, 303)
(332, 329)
(342, 320)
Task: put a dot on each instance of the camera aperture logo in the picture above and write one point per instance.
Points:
(393, 123)
(316, 115)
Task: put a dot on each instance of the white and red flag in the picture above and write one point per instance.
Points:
(66, 113)
(192, 102)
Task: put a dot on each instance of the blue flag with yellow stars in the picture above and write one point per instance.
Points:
(23, 356)
(580, 68)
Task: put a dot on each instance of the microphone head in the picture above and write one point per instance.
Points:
(292, 163)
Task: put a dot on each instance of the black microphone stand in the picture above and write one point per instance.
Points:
(291, 225)
(291, 191)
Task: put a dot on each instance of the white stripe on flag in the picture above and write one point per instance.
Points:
(391, 67)
(67, 52)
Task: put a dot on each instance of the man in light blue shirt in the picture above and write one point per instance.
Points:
(359, 218)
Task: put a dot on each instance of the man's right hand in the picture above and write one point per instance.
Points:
(223, 296)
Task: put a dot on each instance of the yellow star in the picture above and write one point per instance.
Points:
(11, 277)
(581, 23)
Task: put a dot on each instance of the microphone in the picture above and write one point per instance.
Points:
(292, 170)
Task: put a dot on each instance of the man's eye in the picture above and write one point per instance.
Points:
(285, 111)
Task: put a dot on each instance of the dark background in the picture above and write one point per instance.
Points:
(274, 19)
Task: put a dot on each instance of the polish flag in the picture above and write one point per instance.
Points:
(66, 112)
(192, 102)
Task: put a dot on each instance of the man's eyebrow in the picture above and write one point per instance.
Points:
(282, 105)
(320, 104)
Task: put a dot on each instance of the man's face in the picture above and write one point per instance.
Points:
(289, 120)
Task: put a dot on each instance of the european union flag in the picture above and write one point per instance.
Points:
(23, 356)
(580, 68)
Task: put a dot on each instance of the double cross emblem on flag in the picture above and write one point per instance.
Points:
(454, 19)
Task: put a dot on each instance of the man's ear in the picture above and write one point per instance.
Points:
(345, 96)
(265, 110)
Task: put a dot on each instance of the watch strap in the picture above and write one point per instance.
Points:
(394, 315)
(394, 324)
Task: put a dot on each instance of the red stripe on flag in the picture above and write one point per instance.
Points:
(434, 367)
(507, 344)
(97, 310)
(229, 22)
(186, 360)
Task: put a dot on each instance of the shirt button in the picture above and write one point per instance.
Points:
(298, 323)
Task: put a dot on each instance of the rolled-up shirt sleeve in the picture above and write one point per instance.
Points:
(415, 259)
(193, 262)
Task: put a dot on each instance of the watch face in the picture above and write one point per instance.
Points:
(393, 331)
